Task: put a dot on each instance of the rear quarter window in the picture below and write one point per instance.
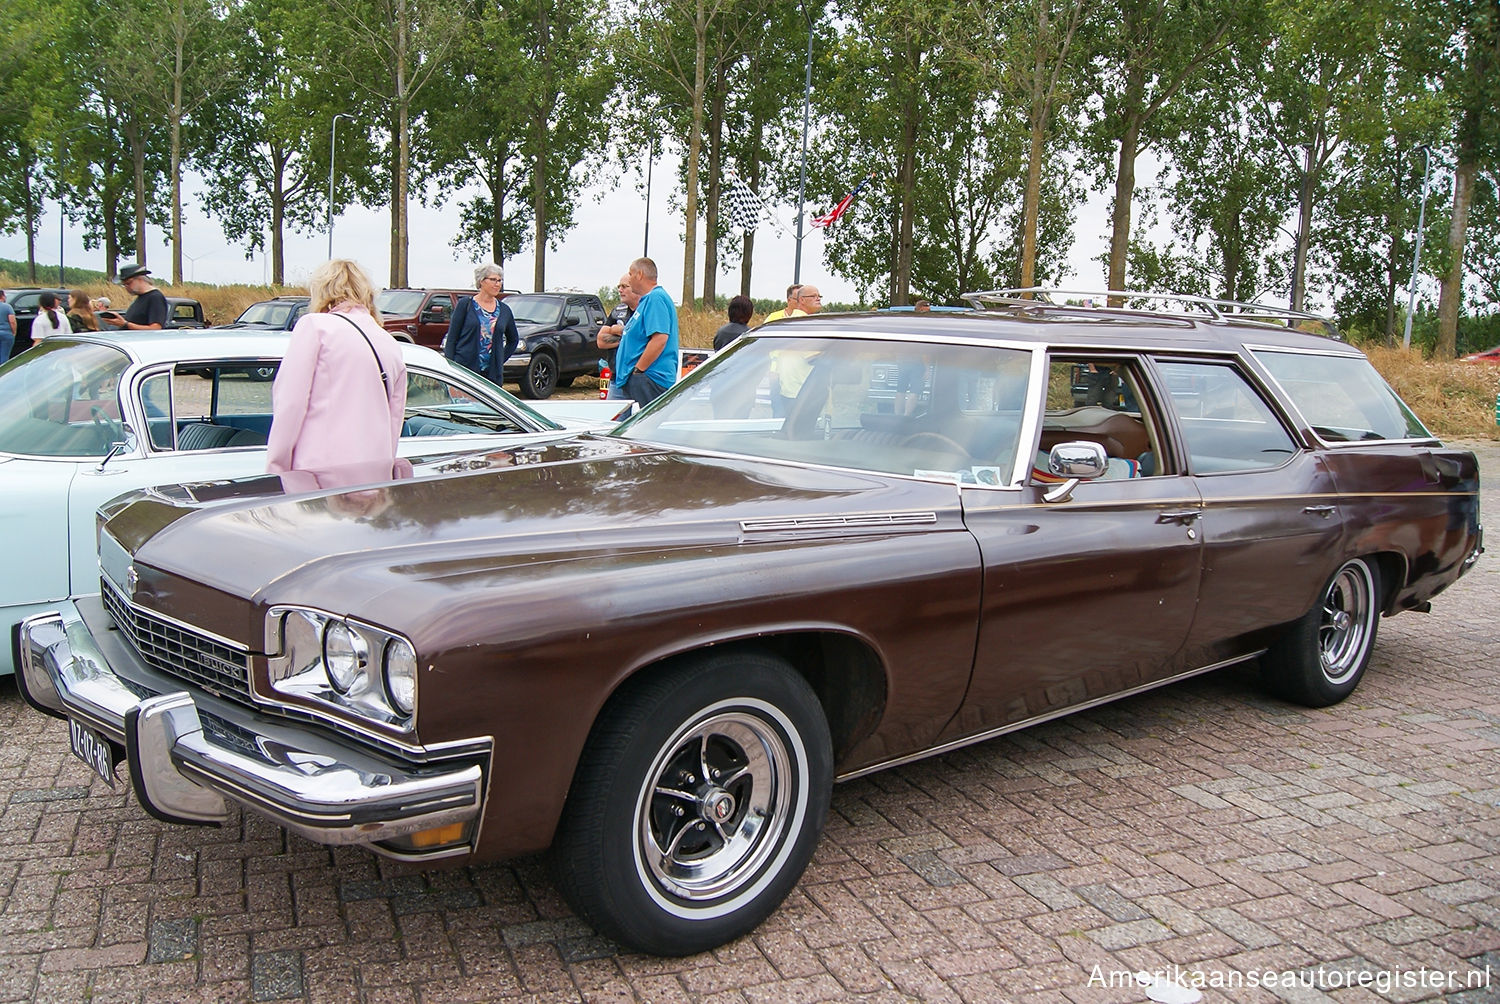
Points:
(1343, 398)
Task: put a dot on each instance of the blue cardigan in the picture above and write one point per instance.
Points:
(462, 341)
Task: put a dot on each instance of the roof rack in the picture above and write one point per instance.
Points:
(1100, 299)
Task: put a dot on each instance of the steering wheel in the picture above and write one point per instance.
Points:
(114, 429)
(925, 440)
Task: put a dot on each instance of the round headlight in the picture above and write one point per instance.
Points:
(401, 675)
(344, 656)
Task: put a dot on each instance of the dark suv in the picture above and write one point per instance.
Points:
(278, 314)
(557, 340)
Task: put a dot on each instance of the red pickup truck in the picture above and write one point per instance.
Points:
(418, 315)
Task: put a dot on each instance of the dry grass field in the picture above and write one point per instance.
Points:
(1455, 400)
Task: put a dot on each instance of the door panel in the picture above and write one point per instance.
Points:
(1271, 523)
(1082, 599)
(1090, 596)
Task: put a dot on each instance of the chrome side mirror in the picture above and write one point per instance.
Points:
(1081, 459)
(1077, 461)
(126, 444)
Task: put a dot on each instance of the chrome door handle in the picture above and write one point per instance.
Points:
(1321, 510)
(1181, 516)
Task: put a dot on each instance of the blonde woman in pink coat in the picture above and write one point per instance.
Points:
(340, 395)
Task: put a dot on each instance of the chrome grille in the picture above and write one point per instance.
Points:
(179, 651)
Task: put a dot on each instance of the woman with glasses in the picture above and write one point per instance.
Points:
(482, 333)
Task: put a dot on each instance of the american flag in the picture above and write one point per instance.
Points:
(831, 217)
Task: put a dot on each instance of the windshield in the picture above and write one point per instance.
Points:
(60, 399)
(400, 302)
(1343, 398)
(275, 313)
(951, 412)
(532, 309)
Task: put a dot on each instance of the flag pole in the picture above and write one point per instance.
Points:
(806, 114)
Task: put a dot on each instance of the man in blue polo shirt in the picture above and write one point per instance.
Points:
(646, 360)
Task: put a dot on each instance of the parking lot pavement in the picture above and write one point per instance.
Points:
(1203, 833)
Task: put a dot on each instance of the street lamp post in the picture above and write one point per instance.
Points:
(806, 115)
(646, 236)
(1416, 258)
(333, 135)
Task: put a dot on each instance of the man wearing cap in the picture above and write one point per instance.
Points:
(149, 311)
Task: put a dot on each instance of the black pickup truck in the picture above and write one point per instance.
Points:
(557, 340)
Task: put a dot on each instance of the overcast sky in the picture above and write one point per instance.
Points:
(610, 232)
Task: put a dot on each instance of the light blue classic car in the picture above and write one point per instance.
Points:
(88, 417)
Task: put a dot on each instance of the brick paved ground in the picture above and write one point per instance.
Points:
(1203, 826)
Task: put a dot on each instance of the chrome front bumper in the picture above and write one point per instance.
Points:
(188, 752)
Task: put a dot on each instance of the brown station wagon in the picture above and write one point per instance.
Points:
(845, 543)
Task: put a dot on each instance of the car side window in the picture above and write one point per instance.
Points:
(1225, 422)
(1101, 400)
(438, 407)
(156, 402)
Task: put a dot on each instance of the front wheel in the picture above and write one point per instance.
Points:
(540, 378)
(697, 804)
(1322, 657)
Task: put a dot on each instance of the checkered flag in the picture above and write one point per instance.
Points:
(742, 207)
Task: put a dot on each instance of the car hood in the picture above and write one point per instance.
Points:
(524, 328)
(469, 521)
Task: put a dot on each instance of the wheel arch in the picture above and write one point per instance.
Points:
(1391, 567)
(843, 670)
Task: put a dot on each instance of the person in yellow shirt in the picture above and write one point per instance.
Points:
(790, 369)
(790, 310)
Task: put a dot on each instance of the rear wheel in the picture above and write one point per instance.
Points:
(540, 378)
(697, 804)
(1322, 657)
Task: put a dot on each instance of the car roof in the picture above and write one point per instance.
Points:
(1047, 324)
(170, 345)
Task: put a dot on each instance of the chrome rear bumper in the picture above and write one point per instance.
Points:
(188, 752)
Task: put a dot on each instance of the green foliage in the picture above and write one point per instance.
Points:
(267, 170)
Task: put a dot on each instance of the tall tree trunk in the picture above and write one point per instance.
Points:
(1119, 242)
(176, 152)
(138, 166)
(747, 256)
(111, 246)
(1451, 296)
(695, 152)
(1130, 142)
(31, 213)
(400, 238)
(711, 219)
(395, 157)
(542, 150)
(1031, 205)
(1233, 259)
(278, 222)
(907, 173)
(539, 210)
(1305, 192)
(497, 204)
(278, 196)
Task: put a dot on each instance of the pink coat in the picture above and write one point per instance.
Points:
(328, 405)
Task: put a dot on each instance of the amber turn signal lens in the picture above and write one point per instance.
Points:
(437, 837)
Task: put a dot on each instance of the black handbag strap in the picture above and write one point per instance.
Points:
(385, 380)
